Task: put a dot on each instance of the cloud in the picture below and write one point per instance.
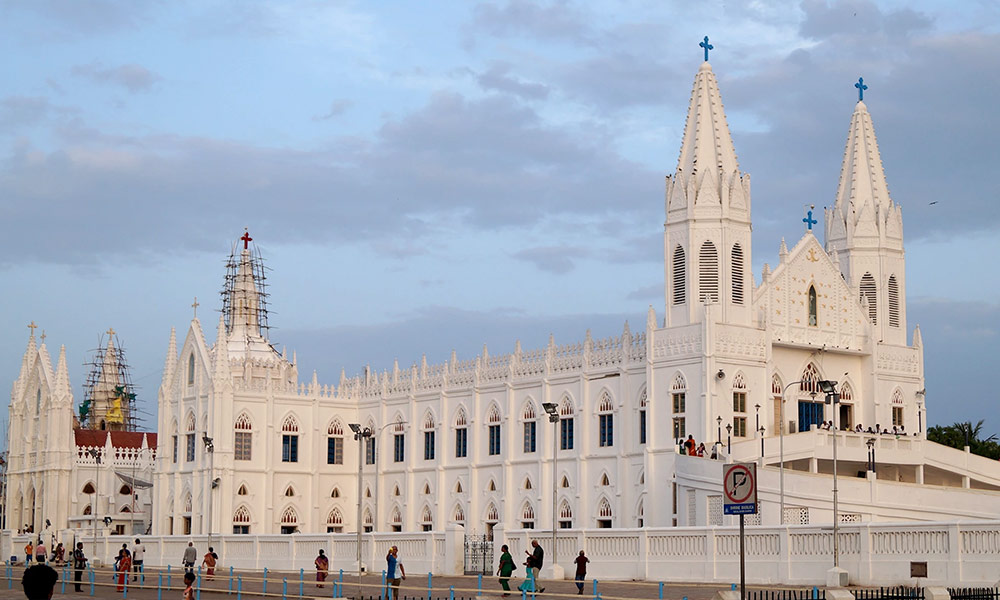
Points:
(560, 20)
(482, 164)
(647, 292)
(497, 78)
(22, 111)
(337, 108)
(855, 18)
(134, 78)
(552, 259)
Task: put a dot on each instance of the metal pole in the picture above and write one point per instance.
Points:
(360, 439)
(555, 458)
(781, 449)
(835, 398)
(743, 580)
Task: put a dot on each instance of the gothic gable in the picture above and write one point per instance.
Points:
(194, 345)
(832, 317)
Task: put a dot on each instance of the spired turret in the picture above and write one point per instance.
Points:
(244, 304)
(864, 229)
(707, 229)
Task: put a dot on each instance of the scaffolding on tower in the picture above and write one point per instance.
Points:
(109, 396)
(244, 262)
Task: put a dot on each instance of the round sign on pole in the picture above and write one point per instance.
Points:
(739, 488)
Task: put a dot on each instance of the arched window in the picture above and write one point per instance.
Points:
(289, 521)
(846, 394)
(640, 514)
(527, 516)
(241, 520)
(737, 268)
(642, 416)
(604, 514)
(290, 439)
(189, 437)
(605, 420)
(430, 444)
(335, 521)
(461, 434)
(88, 488)
(395, 490)
(777, 390)
(491, 486)
(810, 379)
(367, 520)
(565, 515)
(493, 423)
(492, 515)
(125, 490)
(426, 519)
(86, 510)
(527, 483)
(191, 368)
(396, 519)
(243, 440)
(739, 405)
(813, 315)
(125, 509)
(242, 491)
(335, 443)
(566, 422)
(897, 408)
(708, 273)
(529, 416)
(678, 401)
(811, 411)
(893, 302)
(458, 487)
(289, 491)
(605, 481)
(868, 292)
(680, 277)
(458, 515)
(565, 482)
(335, 492)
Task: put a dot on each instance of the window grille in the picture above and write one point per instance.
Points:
(680, 278)
(715, 511)
(708, 273)
(529, 436)
(893, 302)
(813, 311)
(868, 291)
(737, 268)
(429, 445)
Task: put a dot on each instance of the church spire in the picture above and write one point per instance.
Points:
(707, 144)
(171, 361)
(62, 388)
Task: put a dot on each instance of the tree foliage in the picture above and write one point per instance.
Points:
(958, 435)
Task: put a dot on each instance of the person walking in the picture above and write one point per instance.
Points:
(138, 551)
(393, 563)
(322, 568)
(79, 564)
(537, 560)
(190, 555)
(188, 586)
(209, 561)
(505, 569)
(528, 585)
(29, 550)
(124, 567)
(581, 571)
(690, 446)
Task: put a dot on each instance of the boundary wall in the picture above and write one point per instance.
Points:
(956, 554)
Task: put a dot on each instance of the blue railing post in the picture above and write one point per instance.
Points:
(381, 592)
(661, 590)
(815, 592)
(595, 587)
(159, 587)
(284, 588)
(230, 579)
(479, 585)
(430, 585)
(239, 587)
(340, 585)
(302, 575)
(125, 587)
(168, 575)
(142, 574)
(91, 581)
(197, 593)
(732, 587)
(265, 581)
(65, 573)
(451, 592)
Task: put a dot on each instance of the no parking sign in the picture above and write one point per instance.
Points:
(739, 489)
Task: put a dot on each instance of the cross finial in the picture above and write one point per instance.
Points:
(861, 88)
(246, 238)
(43, 336)
(704, 44)
(32, 327)
(110, 332)
(809, 220)
(195, 306)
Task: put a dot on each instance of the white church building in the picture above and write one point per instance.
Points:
(245, 447)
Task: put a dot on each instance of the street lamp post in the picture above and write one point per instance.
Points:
(210, 448)
(833, 398)
(760, 430)
(361, 435)
(551, 410)
(729, 439)
(377, 437)
(97, 491)
(718, 431)
(870, 442)
(781, 449)
(757, 415)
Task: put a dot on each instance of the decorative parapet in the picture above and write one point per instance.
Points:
(740, 342)
(900, 360)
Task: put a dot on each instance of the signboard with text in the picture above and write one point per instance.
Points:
(739, 489)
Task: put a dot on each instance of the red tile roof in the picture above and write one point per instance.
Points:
(119, 439)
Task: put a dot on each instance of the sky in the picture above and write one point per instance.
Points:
(428, 177)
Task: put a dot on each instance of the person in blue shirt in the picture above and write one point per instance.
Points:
(392, 563)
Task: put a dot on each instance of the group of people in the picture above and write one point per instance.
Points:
(209, 560)
(533, 562)
(38, 552)
(693, 448)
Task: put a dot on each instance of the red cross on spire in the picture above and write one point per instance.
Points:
(246, 238)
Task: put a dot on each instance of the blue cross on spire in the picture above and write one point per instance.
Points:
(809, 220)
(861, 88)
(707, 47)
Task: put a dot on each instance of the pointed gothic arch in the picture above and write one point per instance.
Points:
(396, 517)
(290, 424)
(427, 518)
(604, 508)
(429, 421)
(492, 486)
(528, 412)
(335, 428)
(527, 483)
(708, 273)
(565, 482)
(289, 491)
(335, 517)
(605, 480)
(395, 490)
(605, 403)
(243, 422)
(242, 515)
(566, 407)
(88, 488)
(461, 418)
(492, 514)
(458, 486)
(189, 423)
(335, 492)
(289, 516)
(679, 275)
(812, 304)
(458, 514)
(493, 416)
(565, 510)
(810, 380)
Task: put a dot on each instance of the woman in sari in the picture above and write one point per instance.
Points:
(322, 568)
(124, 566)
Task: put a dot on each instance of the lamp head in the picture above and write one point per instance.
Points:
(870, 442)
(719, 420)
(729, 428)
(355, 427)
(826, 386)
(549, 407)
